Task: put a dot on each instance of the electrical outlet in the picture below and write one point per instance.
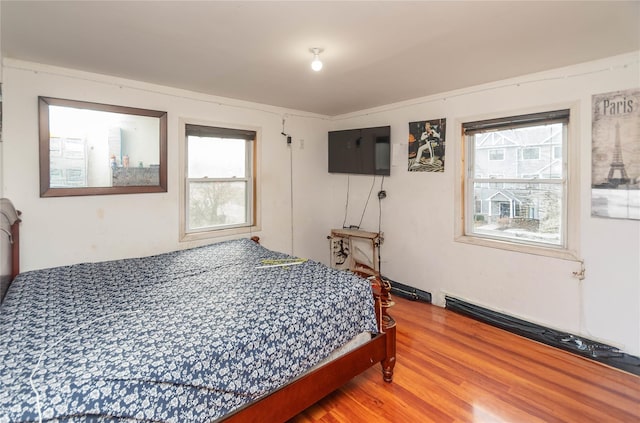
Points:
(301, 144)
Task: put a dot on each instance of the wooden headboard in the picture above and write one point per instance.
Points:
(9, 244)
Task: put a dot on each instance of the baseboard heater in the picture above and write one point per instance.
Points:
(603, 353)
(409, 292)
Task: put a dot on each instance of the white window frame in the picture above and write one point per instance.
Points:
(252, 178)
(464, 200)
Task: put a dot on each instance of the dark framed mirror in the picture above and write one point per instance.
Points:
(96, 149)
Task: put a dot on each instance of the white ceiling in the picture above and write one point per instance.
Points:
(376, 53)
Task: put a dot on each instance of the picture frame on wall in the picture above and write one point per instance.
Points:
(615, 155)
(427, 145)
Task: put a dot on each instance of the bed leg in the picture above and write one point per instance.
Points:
(390, 361)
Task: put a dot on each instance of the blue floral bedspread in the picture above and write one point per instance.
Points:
(186, 336)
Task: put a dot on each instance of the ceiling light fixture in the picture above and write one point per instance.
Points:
(316, 65)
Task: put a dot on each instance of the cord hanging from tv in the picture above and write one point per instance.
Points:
(365, 151)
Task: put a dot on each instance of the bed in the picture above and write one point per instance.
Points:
(228, 332)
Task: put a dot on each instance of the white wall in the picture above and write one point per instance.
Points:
(58, 231)
(418, 214)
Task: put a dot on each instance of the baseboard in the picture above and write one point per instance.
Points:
(409, 292)
(593, 350)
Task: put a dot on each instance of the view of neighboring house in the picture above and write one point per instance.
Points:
(518, 177)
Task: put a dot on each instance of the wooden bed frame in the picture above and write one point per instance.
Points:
(306, 390)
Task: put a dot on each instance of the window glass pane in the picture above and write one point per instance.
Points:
(525, 152)
(217, 204)
(496, 154)
(529, 212)
(216, 157)
(531, 153)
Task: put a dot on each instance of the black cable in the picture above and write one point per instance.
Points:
(291, 193)
(284, 134)
(380, 205)
(367, 203)
(380, 225)
(346, 206)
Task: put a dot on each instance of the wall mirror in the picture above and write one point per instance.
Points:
(94, 149)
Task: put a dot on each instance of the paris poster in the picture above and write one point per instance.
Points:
(615, 155)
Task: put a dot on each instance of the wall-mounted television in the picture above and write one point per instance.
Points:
(365, 151)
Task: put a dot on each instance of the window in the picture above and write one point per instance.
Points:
(531, 153)
(219, 191)
(496, 154)
(510, 205)
(478, 206)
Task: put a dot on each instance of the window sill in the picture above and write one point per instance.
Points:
(218, 233)
(559, 253)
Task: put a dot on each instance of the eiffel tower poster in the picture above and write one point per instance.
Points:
(615, 155)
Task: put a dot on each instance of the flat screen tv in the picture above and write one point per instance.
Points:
(365, 151)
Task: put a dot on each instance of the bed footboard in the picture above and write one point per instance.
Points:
(386, 324)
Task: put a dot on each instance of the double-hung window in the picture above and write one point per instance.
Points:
(219, 190)
(519, 196)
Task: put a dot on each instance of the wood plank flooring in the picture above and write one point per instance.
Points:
(454, 369)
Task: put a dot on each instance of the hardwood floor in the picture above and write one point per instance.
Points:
(454, 369)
